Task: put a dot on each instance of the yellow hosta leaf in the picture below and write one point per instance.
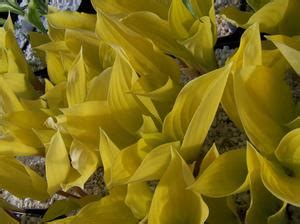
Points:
(123, 105)
(97, 88)
(290, 49)
(16, 60)
(194, 110)
(56, 96)
(273, 17)
(121, 8)
(279, 183)
(59, 208)
(172, 202)
(109, 210)
(55, 68)
(77, 82)
(57, 163)
(15, 148)
(180, 19)
(158, 30)
(8, 99)
(287, 152)
(109, 152)
(146, 60)
(19, 85)
(263, 203)
(37, 39)
(263, 110)
(201, 44)
(128, 161)
(235, 16)
(210, 156)
(225, 176)
(6, 218)
(220, 212)
(20, 180)
(280, 217)
(22, 123)
(82, 121)
(160, 156)
(248, 54)
(107, 55)
(257, 4)
(85, 161)
(138, 199)
(72, 20)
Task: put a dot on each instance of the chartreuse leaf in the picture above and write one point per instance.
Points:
(123, 8)
(57, 163)
(290, 49)
(201, 44)
(146, 60)
(196, 104)
(85, 161)
(225, 176)
(77, 82)
(138, 199)
(160, 156)
(272, 109)
(248, 54)
(172, 202)
(6, 218)
(20, 180)
(123, 105)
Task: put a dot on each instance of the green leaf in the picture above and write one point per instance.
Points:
(37, 8)
(11, 6)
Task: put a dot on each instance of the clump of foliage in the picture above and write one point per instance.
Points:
(114, 100)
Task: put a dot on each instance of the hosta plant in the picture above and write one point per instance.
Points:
(114, 99)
